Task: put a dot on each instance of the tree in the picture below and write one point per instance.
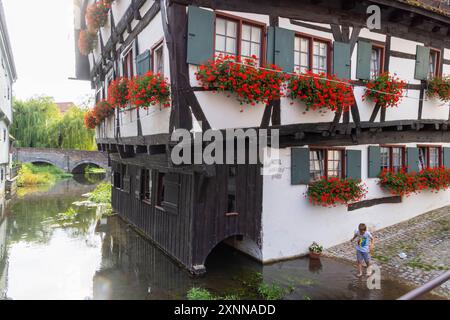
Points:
(37, 123)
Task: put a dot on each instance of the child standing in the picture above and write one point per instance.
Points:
(364, 245)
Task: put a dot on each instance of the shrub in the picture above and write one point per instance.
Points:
(118, 95)
(334, 191)
(386, 90)
(87, 42)
(321, 91)
(242, 77)
(149, 90)
(32, 175)
(439, 87)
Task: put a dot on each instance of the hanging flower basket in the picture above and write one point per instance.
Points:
(87, 42)
(243, 78)
(335, 191)
(90, 121)
(149, 90)
(386, 90)
(401, 183)
(97, 15)
(321, 92)
(102, 110)
(439, 87)
(118, 95)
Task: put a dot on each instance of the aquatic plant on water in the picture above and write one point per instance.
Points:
(101, 194)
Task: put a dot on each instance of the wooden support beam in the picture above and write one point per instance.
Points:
(421, 97)
(265, 121)
(375, 111)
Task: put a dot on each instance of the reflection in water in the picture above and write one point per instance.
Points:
(92, 258)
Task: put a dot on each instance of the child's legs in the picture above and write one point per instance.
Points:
(359, 260)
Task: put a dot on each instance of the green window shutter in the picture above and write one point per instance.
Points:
(412, 159)
(353, 164)
(363, 60)
(341, 60)
(270, 45)
(446, 157)
(143, 63)
(422, 63)
(200, 39)
(374, 161)
(284, 49)
(300, 166)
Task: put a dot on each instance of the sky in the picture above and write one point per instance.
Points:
(41, 34)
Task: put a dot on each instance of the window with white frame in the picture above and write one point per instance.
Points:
(237, 36)
(376, 62)
(433, 69)
(311, 54)
(326, 163)
(392, 158)
(301, 54)
(158, 58)
(430, 157)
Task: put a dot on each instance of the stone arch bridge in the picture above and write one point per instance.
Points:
(72, 161)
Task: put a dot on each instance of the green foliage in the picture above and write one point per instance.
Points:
(203, 294)
(73, 133)
(199, 294)
(271, 292)
(39, 124)
(32, 175)
(101, 194)
(69, 214)
(94, 170)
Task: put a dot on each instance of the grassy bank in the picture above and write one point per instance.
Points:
(38, 175)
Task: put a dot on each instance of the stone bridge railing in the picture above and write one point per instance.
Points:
(73, 161)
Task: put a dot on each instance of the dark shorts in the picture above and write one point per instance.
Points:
(363, 257)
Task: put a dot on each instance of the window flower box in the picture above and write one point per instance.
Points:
(386, 90)
(149, 90)
(243, 78)
(87, 42)
(118, 93)
(90, 121)
(335, 191)
(320, 92)
(97, 15)
(439, 87)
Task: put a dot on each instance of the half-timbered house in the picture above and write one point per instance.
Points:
(187, 210)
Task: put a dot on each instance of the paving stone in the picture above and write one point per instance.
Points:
(426, 241)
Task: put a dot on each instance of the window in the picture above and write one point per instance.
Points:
(433, 69)
(127, 64)
(236, 36)
(231, 204)
(160, 190)
(392, 158)
(430, 157)
(158, 58)
(146, 185)
(4, 135)
(376, 61)
(311, 54)
(326, 163)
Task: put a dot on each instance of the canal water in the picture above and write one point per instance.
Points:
(45, 257)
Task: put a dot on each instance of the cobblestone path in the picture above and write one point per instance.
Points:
(424, 239)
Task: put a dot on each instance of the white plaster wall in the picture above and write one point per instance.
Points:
(291, 223)
(155, 120)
